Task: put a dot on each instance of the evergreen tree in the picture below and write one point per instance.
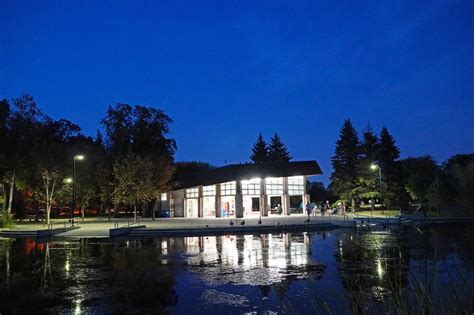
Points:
(259, 151)
(277, 151)
(345, 161)
(388, 155)
(367, 183)
(369, 148)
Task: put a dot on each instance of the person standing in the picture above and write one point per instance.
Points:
(308, 210)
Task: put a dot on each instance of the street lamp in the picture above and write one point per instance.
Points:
(78, 157)
(374, 167)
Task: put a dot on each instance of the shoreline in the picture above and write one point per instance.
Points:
(168, 227)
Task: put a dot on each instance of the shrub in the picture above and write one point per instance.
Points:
(6, 219)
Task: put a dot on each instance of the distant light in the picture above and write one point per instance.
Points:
(374, 166)
(67, 180)
(79, 157)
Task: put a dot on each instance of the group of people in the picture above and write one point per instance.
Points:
(325, 207)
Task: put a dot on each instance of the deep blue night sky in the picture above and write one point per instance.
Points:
(227, 70)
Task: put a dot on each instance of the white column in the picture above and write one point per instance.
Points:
(239, 204)
(286, 197)
(218, 201)
(263, 199)
(200, 203)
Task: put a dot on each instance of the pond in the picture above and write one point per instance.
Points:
(407, 270)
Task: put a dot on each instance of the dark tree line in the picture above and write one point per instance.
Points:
(275, 151)
(129, 168)
(415, 179)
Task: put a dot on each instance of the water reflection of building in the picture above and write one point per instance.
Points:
(265, 259)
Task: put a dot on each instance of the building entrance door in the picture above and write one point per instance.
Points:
(276, 207)
(192, 208)
(227, 206)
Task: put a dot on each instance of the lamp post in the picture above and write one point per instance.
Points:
(78, 157)
(68, 181)
(373, 167)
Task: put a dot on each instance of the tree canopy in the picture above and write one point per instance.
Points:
(259, 151)
(277, 150)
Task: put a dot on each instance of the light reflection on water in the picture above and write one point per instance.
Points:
(286, 273)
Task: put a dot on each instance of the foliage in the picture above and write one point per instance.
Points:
(318, 192)
(6, 219)
(418, 174)
(345, 161)
(138, 145)
(138, 179)
(388, 155)
(465, 180)
(435, 194)
(277, 151)
(260, 151)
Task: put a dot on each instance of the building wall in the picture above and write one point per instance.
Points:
(178, 199)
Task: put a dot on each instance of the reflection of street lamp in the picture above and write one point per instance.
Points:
(373, 167)
(79, 157)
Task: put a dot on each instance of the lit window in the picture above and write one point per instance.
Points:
(164, 197)
(251, 187)
(228, 189)
(192, 193)
(296, 185)
(209, 190)
(274, 186)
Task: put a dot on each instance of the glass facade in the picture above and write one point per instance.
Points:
(296, 185)
(251, 187)
(228, 189)
(283, 195)
(209, 206)
(274, 186)
(209, 190)
(192, 193)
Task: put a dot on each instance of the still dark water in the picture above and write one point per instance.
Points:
(427, 269)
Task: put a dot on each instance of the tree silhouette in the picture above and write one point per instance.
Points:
(277, 151)
(345, 161)
(388, 155)
(259, 151)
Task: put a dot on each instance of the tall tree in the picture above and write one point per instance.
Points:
(418, 174)
(136, 135)
(465, 183)
(21, 138)
(368, 182)
(139, 179)
(451, 169)
(52, 157)
(369, 148)
(346, 161)
(259, 151)
(277, 151)
(4, 116)
(388, 155)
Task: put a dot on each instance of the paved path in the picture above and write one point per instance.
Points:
(99, 227)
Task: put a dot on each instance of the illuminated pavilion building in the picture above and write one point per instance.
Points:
(242, 191)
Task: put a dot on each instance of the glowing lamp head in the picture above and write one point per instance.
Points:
(68, 180)
(79, 157)
(374, 167)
